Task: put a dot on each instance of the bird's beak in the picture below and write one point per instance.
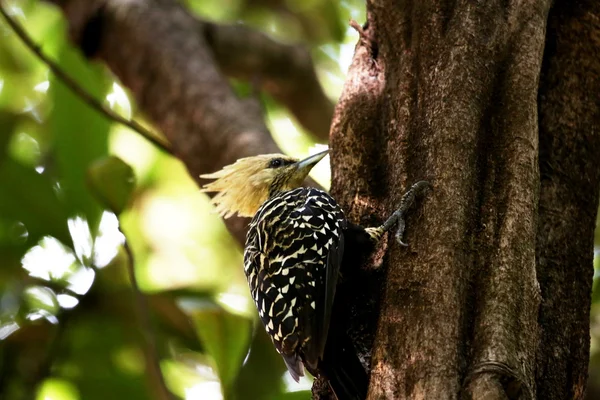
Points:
(303, 167)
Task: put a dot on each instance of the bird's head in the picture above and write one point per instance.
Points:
(244, 185)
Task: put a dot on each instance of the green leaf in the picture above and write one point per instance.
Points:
(8, 121)
(298, 395)
(104, 360)
(224, 335)
(11, 255)
(112, 181)
(39, 298)
(29, 198)
(80, 133)
(13, 234)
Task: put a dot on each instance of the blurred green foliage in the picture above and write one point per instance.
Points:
(68, 326)
(68, 323)
(112, 181)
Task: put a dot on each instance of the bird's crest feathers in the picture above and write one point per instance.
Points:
(244, 185)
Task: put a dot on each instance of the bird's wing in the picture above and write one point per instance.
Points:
(295, 251)
(271, 306)
(323, 237)
(334, 261)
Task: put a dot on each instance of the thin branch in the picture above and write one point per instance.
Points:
(356, 26)
(77, 89)
(141, 305)
(365, 38)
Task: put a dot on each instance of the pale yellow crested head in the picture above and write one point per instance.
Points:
(244, 185)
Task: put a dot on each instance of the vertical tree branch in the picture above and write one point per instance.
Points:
(569, 120)
(507, 295)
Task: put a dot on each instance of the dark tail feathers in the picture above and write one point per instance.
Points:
(343, 369)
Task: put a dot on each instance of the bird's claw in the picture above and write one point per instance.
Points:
(405, 203)
(398, 216)
(374, 233)
(400, 231)
(399, 236)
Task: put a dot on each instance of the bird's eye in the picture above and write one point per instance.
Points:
(276, 163)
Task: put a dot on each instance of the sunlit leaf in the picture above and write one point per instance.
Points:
(57, 389)
(192, 377)
(40, 298)
(113, 181)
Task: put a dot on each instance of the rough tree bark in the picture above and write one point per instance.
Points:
(569, 113)
(496, 103)
(448, 91)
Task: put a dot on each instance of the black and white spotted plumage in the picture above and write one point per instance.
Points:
(292, 258)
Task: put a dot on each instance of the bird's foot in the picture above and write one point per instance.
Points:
(398, 215)
(375, 233)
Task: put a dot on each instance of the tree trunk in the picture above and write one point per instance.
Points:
(569, 115)
(491, 298)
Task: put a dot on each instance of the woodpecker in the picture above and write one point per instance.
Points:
(292, 258)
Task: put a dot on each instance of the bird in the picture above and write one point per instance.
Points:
(295, 247)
